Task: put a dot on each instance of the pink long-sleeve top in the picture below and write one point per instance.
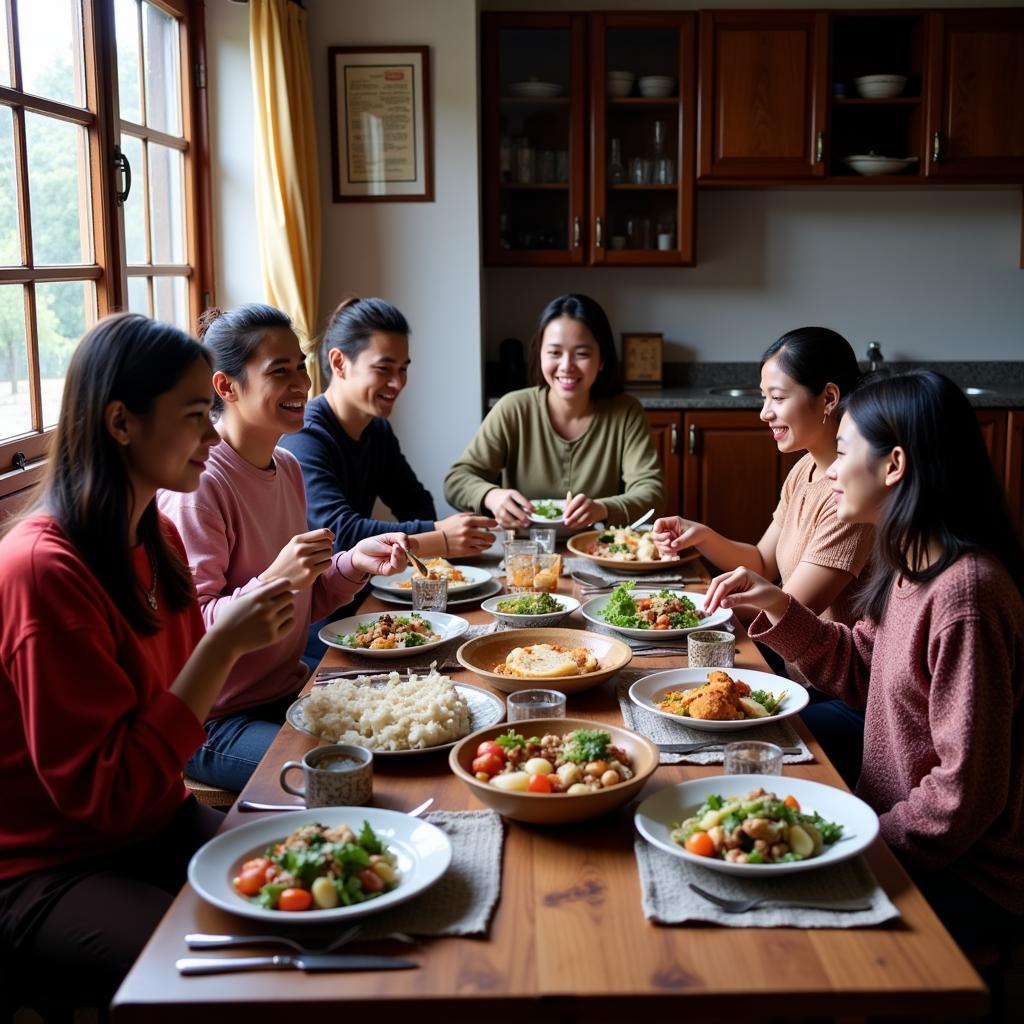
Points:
(940, 678)
(234, 526)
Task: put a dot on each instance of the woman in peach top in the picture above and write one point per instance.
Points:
(803, 377)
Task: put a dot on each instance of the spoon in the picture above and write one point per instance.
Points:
(643, 519)
(420, 566)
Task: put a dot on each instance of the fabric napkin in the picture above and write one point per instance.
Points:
(664, 730)
(462, 902)
(668, 899)
(669, 575)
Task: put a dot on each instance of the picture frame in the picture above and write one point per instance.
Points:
(381, 145)
(642, 359)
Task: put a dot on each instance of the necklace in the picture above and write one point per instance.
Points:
(151, 593)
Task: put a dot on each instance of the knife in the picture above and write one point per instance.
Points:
(694, 748)
(311, 963)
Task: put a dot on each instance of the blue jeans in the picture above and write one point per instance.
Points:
(840, 731)
(235, 744)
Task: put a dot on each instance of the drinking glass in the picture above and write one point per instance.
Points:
(640, 171)
(544, 538)
(525, 704)
(520, 565)
(664, 171)
(549, 568)
(429, 595)
(752, 757)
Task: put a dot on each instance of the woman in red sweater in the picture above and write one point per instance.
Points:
(937, 657)
(105, 673)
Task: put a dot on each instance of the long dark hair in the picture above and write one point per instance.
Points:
(233, 335)
(949, 492)
(132, 359)
(351, 324)
(814, 357)
(586, 311)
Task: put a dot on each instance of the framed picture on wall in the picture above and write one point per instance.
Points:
(380, 124)
(641, 359)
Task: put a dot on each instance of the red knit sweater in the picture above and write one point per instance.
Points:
(940, 678)
(92, 744)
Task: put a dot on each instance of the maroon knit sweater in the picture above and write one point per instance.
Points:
(940, 678)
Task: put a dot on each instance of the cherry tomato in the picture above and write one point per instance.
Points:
(539, 784)
(489, 764)
(701, 844)
(791, 801)
(249, 883)
(295, 899)
(372, 882)
(490, 747)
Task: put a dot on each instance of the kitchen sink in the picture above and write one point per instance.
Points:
(736, 392)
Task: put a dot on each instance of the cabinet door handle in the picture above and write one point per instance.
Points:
(819, 148)
(693, 439)
(575, 232)
(936, 147)
(673, 439)
(598, 233)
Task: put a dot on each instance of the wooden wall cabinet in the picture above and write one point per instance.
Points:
(666, 429)
(573, 175)
(1015, 465)
(976, 100)
(763, 90)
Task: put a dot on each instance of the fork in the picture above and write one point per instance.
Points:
(201, 940)
(741, 906)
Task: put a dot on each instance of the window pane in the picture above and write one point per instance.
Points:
(135, 205)
(166, 205)
(64, 310)
(160, 39)
(15, 400)
(170, 294)
(5, 57)
(126, 14)
(51, 49)
(58, 191)
(138, 295)
(10, 229)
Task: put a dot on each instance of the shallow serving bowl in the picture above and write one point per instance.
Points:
(481, 654)
(880, 87)
(448, 627)
(569, 605)
(583, 543)
(656, 86)
(556, 808)
(593, 611)
(871, 164)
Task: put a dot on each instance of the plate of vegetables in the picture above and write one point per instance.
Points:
(547, 510)
(393, 636)
(530, 608)
(747, 700)
(369, 858)
(646, 614)
(757, 825)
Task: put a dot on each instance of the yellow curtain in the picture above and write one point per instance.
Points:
(287, 183)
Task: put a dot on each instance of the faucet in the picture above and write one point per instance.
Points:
(874, 356)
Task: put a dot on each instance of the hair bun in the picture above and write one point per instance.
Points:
(206, 318)
(341, 307)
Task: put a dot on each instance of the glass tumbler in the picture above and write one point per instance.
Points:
(752, 757)
(429, 595)
(524, 704)
(549, 568)
(544, 538)
(520, 565)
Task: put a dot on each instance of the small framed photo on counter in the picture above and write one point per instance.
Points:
(641, 360)
(380, 124)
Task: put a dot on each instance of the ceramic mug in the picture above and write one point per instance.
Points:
(710, 648)
(337, 775)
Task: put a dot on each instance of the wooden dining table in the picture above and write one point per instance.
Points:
(569, 940)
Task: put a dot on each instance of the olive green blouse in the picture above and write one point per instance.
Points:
(613, 461)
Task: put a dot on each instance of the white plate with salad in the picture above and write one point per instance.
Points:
(777, 696)
(663, 614)
(396, 636)
(547, 510)
(680, 820)
(420, 852)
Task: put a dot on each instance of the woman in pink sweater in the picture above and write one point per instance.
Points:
(246, 522)
(937, 657)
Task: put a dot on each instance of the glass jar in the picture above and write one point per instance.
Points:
(616, 169)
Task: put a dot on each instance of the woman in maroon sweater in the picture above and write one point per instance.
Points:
(937, 658)
(105, 673)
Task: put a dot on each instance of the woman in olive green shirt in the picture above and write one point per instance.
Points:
(574, 433)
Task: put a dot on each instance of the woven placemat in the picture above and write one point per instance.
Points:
(668, 899)
(664, 730)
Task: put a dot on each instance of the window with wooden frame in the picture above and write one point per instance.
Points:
(103, 194)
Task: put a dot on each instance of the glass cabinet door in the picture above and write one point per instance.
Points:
(533, 157)
(642, 151)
